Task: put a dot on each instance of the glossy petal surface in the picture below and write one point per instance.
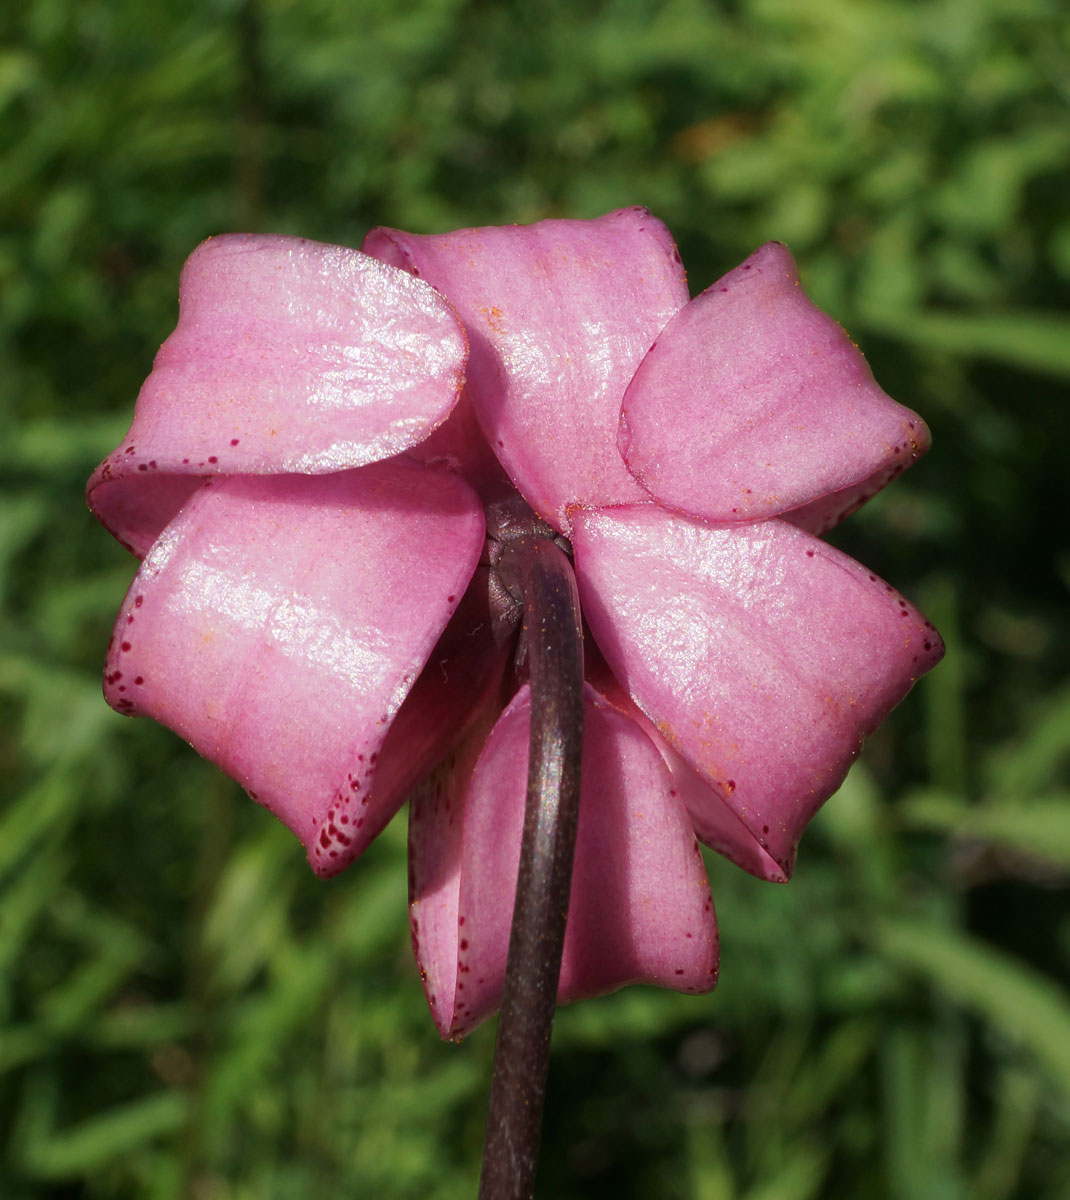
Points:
(762, 655)
(640, 908)
(753, 402)
(289, 356)
(279, 623)
(559, 314)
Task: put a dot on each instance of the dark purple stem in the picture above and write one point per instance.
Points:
(538, 572)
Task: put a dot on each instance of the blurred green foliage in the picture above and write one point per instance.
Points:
(184, 1010)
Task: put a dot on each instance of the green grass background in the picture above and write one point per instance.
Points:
(184, 1010)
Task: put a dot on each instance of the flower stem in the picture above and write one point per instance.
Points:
(540, 573)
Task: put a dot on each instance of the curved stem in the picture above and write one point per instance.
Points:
(540, 572)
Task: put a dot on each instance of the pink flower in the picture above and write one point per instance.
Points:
(307, 483)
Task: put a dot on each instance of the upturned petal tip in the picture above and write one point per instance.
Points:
(289, 356)
(754, 403)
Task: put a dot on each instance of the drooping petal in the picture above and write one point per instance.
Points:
(559, 315)
(289, 356)
(640, 908)
(753, 403)
(278, 624)
(762, 655)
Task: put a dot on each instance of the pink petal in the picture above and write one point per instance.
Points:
(559, 315)
(762, 655)
(753, 402)
(640, 908)
(436, 842)
(458, 443)
(714, 822)
(462, 676)
(289, 356)
(279, 623)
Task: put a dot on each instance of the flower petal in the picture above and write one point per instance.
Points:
(762, 655)
(458, 443)
(461, 678)
(289, 356)
(559, 315)
(640, 908)
(436, 842)
(753, 402)
(279, 623)
(715, 824)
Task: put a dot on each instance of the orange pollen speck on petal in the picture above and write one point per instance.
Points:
(494, 318)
